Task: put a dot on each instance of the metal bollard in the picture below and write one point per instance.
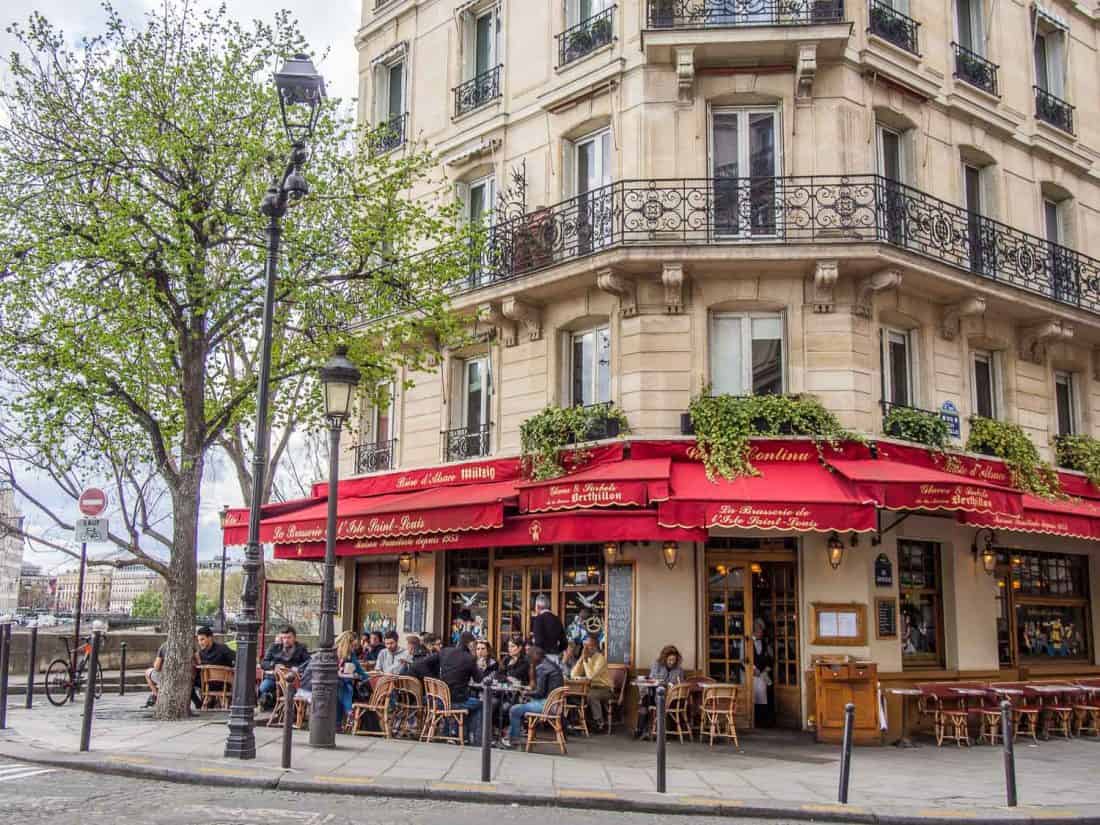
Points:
(89, 697)
(122, 670)
(486, 729)
(288, 722)
(662, 781)
(846, 753)
(5, 660)
(32, 660)
(1007, 738)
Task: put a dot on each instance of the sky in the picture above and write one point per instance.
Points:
(329, 26)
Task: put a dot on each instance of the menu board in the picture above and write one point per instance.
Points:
(415, 608)
(839, 624)
(886, 619)
(620, 613)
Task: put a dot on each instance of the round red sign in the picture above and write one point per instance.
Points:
(92, 502)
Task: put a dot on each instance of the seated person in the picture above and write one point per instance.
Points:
(285, 654)
(457, 667)
(348, 664)
(414, 649)
(486, 664)
(152, 675)
(210, 653)
(592, 665)
(515, 664)
(669, 670)
(569, 658)
(428, 664)
(391, 660)
(547, 677)
(372, 646)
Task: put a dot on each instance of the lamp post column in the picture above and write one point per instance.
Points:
(322, 728)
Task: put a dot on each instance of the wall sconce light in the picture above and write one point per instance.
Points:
(987, 554)
(836, 551)
(756, 568)
(405, 563)
(721, 570)
(671, 551)
(1015, 584)
(1017, 561)
(611, 552)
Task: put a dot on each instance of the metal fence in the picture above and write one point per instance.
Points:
(695, 14)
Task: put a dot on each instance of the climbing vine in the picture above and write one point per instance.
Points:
(1009, 442)
(1081, 453)
(544, 436)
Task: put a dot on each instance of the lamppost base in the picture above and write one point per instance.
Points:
(241, 743)
(322, 723)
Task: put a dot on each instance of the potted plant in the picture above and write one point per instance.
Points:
(545, 434)
(920, 426)
(601, 31)
(579, 44)
(1080, 453)
(1010, 443)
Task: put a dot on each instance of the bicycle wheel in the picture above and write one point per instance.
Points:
(98, 680)
(59, 683)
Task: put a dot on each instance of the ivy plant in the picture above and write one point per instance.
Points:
(1009, 442)
(1081, 453)
(921, 426)
(544, 436)
(724, 424)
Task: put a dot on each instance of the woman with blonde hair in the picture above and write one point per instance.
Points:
(347, 662)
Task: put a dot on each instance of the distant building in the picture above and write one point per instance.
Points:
(97, 590)
(127, 583)
(11, 551)
(36, 589)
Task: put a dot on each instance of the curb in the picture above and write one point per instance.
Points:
(645, 802)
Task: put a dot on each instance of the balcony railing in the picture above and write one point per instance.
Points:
(1053, 110)
(819, 209)
(950, 418)
(974, 69)
(465, 442)
(391, 134)
(375, 457)
(477, 91)
(699, 14)
(893, 26)
(603, 427)
(587, 36)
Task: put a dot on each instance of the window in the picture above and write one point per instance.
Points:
(891, 159)
(898, 386)
(467, 593)
(1052, 221)
(389, 104)
(921, 603)
(973, 179)
(481, 58)
(475, 393)
(590, 367)
(470, 412)
(744, 163)
(584, 596)
(477, 210)
(968, 15)
(1050, 61)
(590, 159)
(376, 602)
(376, 449)
(984, 384)
(1049, 597)
(577, 11)
(1065, 402)
(891, 166)
(746, 353)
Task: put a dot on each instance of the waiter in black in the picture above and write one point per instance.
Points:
(547, 630)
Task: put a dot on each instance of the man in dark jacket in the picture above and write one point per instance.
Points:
(210, 652)
(548, 677)
(547, 630)
(286, 653)
(457, 666)
(428, 664)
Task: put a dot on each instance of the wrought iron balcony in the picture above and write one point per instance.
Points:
(391, 134)
(465, 442)
(477, 91)
(587, 36)
(699, 14)
(819, 209)
(1053, 110)
(601, 428)
(974, 69)
(375, 457)
(950, 418)
(893, 26)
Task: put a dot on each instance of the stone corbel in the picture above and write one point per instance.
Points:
(490, 314)
(951, 323)
(521, 313)
(805, 71)
(672, 276)
(685, 74)
(1034, 340)
(878, 282)
(825, 276)
(625, 288)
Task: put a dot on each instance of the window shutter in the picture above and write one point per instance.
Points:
(1056, 55)
(884, 360)
(462, 194)
(498, 39)
(469, 46)
(568, 167)
(912, 337)
(572, 12)
(381, 93)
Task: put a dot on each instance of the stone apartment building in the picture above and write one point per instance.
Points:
(11, 552)
(127, 583)
(882, 203)
(97, 590)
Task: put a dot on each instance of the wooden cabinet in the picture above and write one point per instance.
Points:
(838, 682)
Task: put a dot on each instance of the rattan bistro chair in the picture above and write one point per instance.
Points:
(215, 686)
(551, 715)
(279, 711)
(408, 707)
(379, 705)
(719, 708)
(438, 711)
(677, 713)
(620, 678)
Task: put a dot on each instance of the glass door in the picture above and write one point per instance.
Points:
(775, 635)
(729, 630)
(517, 588)
(744, 165)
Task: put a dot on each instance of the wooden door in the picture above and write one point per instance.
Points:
(775, 602)
(517, 587)
(729, 629)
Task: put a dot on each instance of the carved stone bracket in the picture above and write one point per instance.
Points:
(825, 277)
(685, 74)
(878, 282)
(522, 313)
(672, 276)
(806, 70)
(491, 315)
(609, 281)
(951, 323)
(1034, 340)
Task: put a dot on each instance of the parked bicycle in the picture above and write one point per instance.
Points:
(61, 687)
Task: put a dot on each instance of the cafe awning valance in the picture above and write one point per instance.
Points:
(613, 484)
(1073, 518)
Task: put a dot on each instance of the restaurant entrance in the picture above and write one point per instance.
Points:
(518, 583)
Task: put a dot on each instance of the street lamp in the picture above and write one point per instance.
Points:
(301, 91)
(339, 379)
(220, 621)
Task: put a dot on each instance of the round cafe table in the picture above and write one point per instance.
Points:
(906, 694)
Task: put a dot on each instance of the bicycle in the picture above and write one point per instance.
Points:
(60, 685)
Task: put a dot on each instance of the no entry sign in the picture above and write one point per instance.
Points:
(92, 502)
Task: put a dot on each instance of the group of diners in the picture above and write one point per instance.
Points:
(207, 652)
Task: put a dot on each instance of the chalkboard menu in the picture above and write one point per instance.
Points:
(415, 608)
(620, 613)
(886, 619)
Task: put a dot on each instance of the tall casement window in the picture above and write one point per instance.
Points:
(891, 154)
(971, 26)
(476, 200)
(389, 103)
(470, 411)
(747, 353)
(590, 367)
(982, 254)
(481, 58)
(468, 593)
(376, 449)
(744, 159)
(1050, 39)
(984, 384)
(1065, 402)
(921, 609)
(588, 173)
(1047, 605)
(891, 162)
(971, 65)
(898, 367)
(1060, 260)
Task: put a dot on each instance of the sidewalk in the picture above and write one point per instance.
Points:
(776, 774)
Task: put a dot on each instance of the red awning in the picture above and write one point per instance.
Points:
(793, 492)
(571, 527)
(1074, 518)
(615, 484)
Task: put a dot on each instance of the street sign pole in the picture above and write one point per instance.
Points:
(76, 614)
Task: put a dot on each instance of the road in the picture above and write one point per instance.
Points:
(36, 795)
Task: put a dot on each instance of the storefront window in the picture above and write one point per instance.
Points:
(921, 603)
(468, 593)
(376, 596)
(584, 597)
(1049, 594)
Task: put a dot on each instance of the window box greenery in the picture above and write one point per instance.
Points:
(545, 434)
(920, 426)
(1010, 443)
(723, 425)
(1080, 453)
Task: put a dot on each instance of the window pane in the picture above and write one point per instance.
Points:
(474, 394)
(726, 359)
(899, 369)
(479, 197)
(762, 145)
(1051, 631)
(484, 40)
(725, 145)
(973, 188)
(583, 356)
(586, 167)
(983, 386)
(767, 356)
(919, 620)
(1042, 78)
(966, 29)
(1050, 220)
(891, 155)
(1063, 391)
(603, 365)
(397, 89)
